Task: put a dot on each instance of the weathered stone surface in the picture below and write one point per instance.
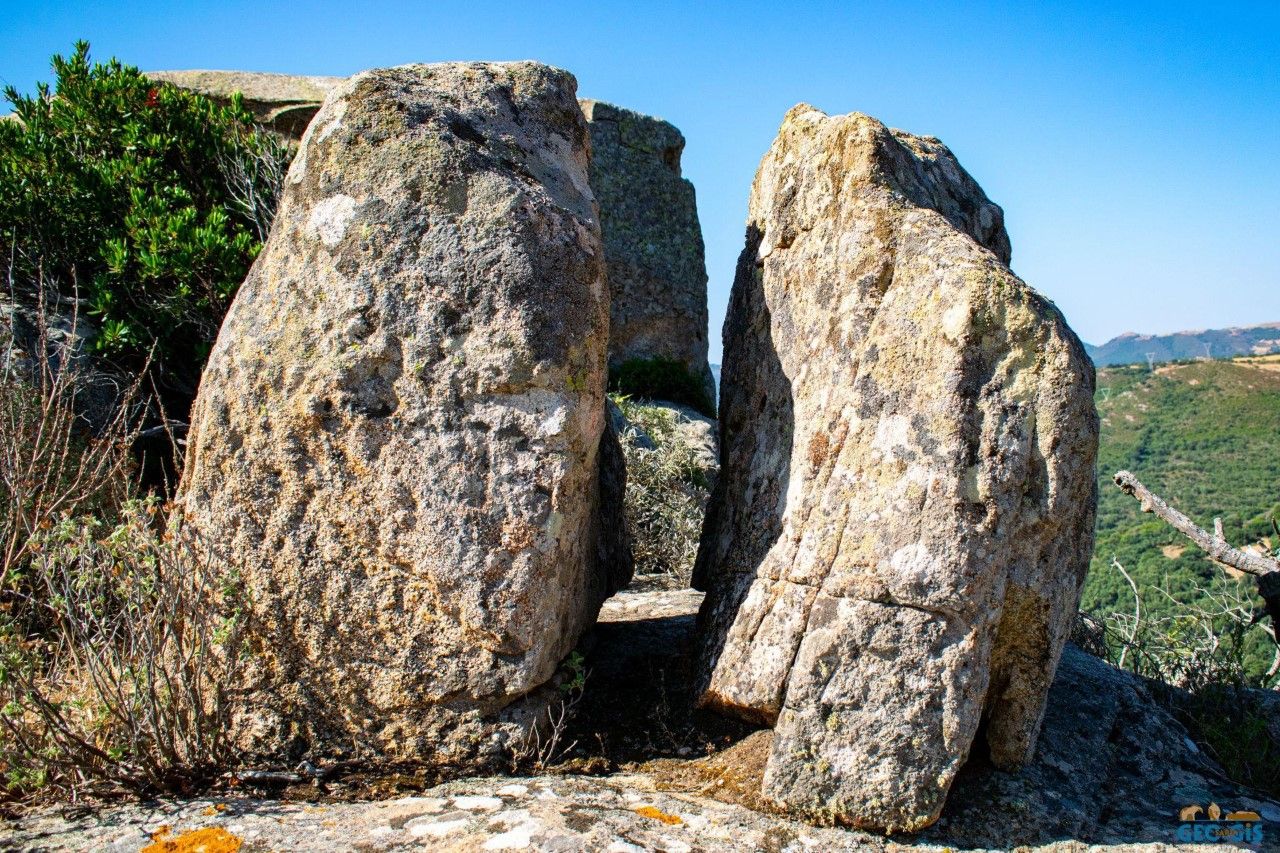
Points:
(618, 814)
(52, 341)
(623, 813)
(1112, 767)
(286, 103)
(653, 243)
(649, 216)
(398, 437)
(905, 508)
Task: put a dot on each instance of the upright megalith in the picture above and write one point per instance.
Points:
(398, 438)
(895, 547)
(652, 241)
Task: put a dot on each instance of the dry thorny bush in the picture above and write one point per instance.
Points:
(254, 178)
(117, 643)
(1192, 646)
(544, 745)
(1200, 651)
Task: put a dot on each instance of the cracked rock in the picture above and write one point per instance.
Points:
(904, 515)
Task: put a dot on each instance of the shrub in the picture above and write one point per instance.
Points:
(116, 643)
(1204, 649)
(148, 197)
(661, 379)
(1195, 646)
(129, 683)
(667, 492)
(52, 465)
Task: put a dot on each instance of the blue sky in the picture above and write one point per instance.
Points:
(1134, 147)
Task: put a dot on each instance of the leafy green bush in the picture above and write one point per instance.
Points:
(1236, 727)
(661, 379)
(131, 191)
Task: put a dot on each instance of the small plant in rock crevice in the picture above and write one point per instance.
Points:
(544, 746)
(667, 492)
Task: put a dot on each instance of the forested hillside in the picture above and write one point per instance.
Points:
(1205, 436)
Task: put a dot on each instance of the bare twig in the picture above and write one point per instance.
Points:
(1137, 611)
(269, 777)
(1215, 546)
(1265, 570)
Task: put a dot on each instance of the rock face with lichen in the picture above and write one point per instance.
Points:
(285, 103)
(649, 216)
(398, 438)
(904, 514)
(653, 243)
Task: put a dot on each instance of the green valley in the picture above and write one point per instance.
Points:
(1204, 435)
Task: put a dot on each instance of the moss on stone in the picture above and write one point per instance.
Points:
(661, 379)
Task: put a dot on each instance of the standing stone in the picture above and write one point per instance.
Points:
(652, 241)
(398, 435)
(904, 515)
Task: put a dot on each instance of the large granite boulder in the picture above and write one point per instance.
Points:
(649, 216)
(285, 103)
(904, 514)
(397, 443)
(652, 240)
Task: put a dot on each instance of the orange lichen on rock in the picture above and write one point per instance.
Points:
(659, 814)
(211, 839)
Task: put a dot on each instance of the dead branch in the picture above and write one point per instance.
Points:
(1137, 611)
(1215, 546)
(1265, 570)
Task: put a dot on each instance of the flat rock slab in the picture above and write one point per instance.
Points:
(629, 606)
(1111, 766)
(619, 814)
(286, 103)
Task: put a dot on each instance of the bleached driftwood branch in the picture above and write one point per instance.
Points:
(1264, 569)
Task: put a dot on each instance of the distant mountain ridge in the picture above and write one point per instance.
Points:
(1131, 348)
